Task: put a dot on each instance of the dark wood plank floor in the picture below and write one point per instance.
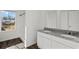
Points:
(11, 42)
(33, 47)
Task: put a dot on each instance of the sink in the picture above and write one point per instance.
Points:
(72, 37)
(69, 36)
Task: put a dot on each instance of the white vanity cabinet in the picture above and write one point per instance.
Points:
(56, 44)
(46, 41)
(42, 41)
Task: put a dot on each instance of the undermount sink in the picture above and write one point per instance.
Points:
(69, 36)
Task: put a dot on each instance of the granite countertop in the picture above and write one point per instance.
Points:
(58, 34)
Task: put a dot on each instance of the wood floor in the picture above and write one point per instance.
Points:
(9, 43)
(13, 42)
(33, 47)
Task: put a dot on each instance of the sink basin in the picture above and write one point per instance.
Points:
(69, 36)
(72, 37)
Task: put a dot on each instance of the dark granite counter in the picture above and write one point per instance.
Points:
(60, 34)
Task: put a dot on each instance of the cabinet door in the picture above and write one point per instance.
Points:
(43, 42)
(74, 20)
(64, 20)
(46, 43)
(58, 45)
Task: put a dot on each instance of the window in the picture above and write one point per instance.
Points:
(7, 20)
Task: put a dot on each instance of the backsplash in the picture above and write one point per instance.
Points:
(70, 32)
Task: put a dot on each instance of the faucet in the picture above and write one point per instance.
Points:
(70, 33)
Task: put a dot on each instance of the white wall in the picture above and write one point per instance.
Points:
(64, 20)
(34, 21)
(21, 24)
(58, 19)
(19, 32)
(51, 19)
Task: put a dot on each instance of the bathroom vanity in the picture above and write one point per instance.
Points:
(56, 40)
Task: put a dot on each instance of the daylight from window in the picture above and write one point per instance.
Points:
(7, 20)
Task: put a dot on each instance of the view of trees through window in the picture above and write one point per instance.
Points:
(7, 20)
